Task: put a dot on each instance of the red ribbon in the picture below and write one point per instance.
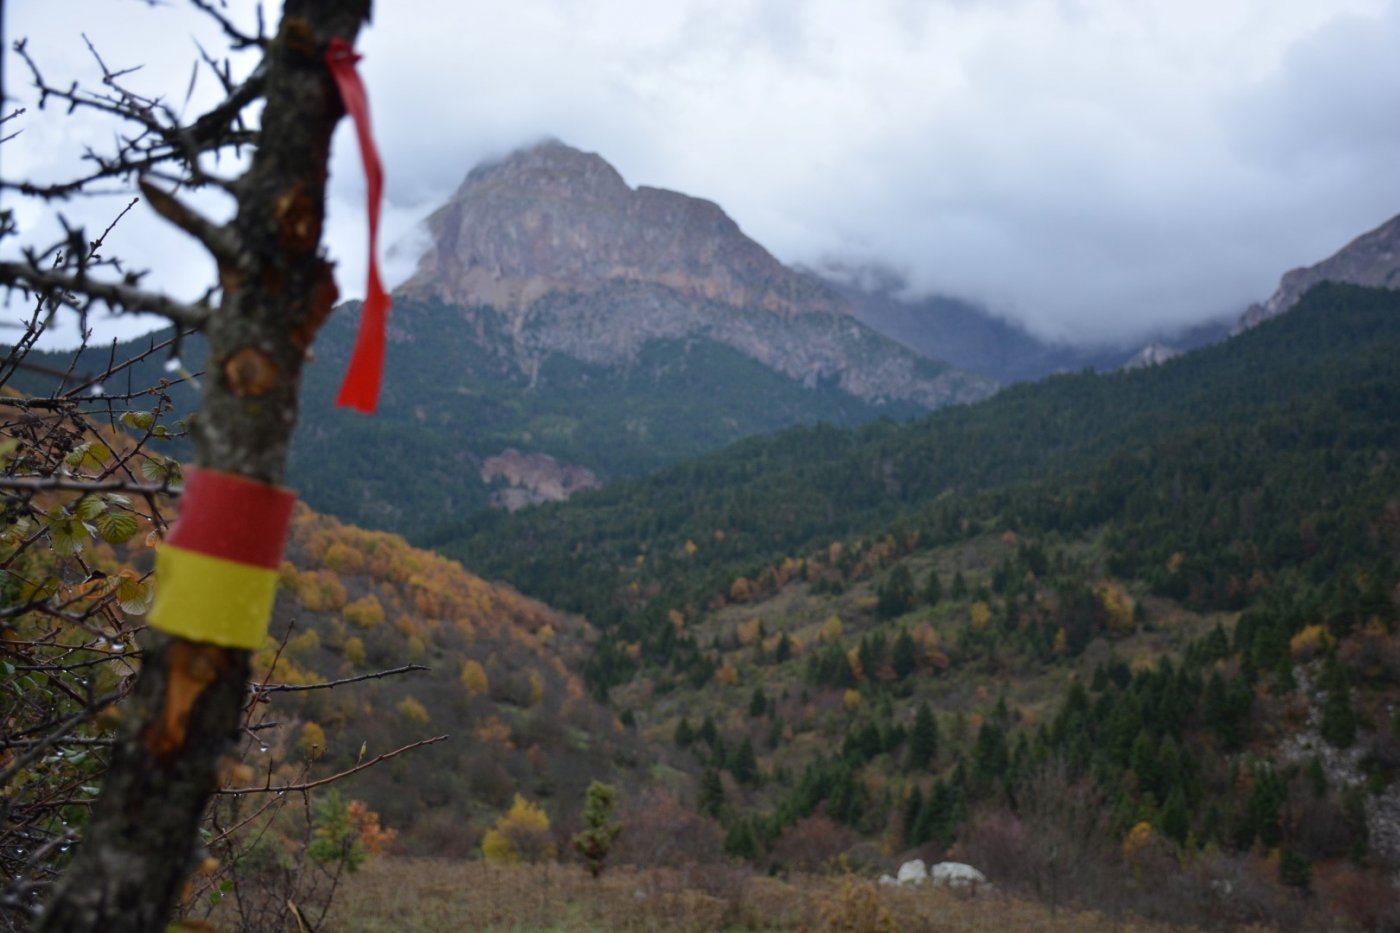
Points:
(360, 390)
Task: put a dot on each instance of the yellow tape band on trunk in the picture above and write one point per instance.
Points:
(212, 600)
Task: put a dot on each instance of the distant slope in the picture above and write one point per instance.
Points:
(766, 499)
(453, 399)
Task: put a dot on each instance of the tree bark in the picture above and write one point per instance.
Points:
(277, 290)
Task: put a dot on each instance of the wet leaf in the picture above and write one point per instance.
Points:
(89, 507)
(134, 596)
(90, 456)
(117, 527)
(138, 420)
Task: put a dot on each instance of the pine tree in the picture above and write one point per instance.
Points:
(595, 841)
(990, 757)
(1294, 870)
(741, 841)
(905, 657)
(923, 739)
(933, 588)
(895, 596)
(1338, 716)
(708, 733)
(711, 797)
(743, 764)
(1174, 821)
(684, 734)
(913, 810)
(758, 703)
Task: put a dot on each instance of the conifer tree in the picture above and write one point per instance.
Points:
(711, 797)
(913, 810)
(743, 764)
(1338, 716)
(684, 734)
(923, 739)
(933, 588)
(895, 596)
(1174, 821)
(596, 839)
(904, 658)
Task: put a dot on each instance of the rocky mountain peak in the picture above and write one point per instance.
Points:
(1372, 259)
(551, 219)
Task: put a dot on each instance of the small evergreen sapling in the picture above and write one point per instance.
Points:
(597, 838)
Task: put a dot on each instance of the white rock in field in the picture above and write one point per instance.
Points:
(956, 875)
(888, 880)
(915, 872)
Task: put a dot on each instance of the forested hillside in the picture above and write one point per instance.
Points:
(452, 400)
(1147, 619)
(1290, 427)
(1090, 631)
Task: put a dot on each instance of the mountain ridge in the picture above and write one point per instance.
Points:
(576, 262)
(1371, 259)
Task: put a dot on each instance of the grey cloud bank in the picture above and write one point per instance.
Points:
(1093, 169)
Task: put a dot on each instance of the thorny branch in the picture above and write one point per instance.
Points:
(84, 490)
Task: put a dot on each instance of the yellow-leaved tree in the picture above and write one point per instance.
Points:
(474, 679)
(521, 834)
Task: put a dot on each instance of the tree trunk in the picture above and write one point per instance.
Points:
(277, 290)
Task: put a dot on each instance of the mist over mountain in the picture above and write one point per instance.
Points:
(970, 337)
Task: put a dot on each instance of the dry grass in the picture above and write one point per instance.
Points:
(400, 894)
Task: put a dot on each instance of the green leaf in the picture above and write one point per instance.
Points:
(89, 507)
(89, 456)
(67, 533)
(116, 527)
(158, 469)
(138, 420)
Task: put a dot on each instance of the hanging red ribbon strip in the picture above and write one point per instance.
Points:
(360, 390)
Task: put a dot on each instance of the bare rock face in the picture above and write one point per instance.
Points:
(554, 219)
(533, 478)
(1372, 259)
(571, 260)
(1154, 354)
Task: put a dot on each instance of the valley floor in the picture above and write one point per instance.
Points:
(401, 894)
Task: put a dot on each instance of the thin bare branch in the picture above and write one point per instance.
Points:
(326, 685)
(283, 788)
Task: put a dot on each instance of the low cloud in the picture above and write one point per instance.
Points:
(1093, 169)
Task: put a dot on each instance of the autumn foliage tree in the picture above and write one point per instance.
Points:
(520, 834)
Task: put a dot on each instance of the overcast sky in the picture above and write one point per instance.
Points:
(1092, 168)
